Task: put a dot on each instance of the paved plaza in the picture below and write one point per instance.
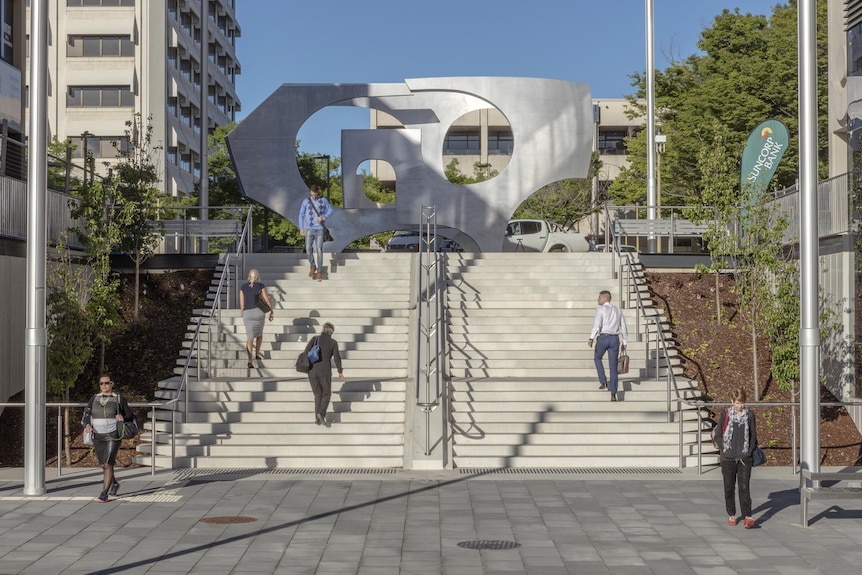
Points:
(296, 522)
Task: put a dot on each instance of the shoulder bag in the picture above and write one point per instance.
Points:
(261, 304)
(757, 456)
(327, 237)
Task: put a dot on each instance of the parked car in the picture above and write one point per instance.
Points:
(409, 241)
(542, 236)
(623, 248)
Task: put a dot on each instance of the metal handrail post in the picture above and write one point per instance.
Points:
(679, 419)
(153, 443)
(669, 412)
(59, 441)
(173, 437)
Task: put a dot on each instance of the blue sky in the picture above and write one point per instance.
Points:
(595, 42)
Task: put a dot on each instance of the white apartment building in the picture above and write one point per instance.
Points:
(483, 140)
(171, 60)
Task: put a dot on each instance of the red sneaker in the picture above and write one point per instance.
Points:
(731, 521)
(748, 523)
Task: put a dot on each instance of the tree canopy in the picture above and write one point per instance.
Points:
(747, 72)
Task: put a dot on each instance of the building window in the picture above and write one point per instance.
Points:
(854, 51)
(500, 142)
(172, 155)
(612, 142)
(100, 2)
(101, 146)
(461, 144)
(100, 97)
(100, 46)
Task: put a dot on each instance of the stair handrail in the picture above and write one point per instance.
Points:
(662, 347)
(243, 243)
(430, 307)
(628, 283)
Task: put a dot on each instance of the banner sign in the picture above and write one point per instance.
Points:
(766, 144)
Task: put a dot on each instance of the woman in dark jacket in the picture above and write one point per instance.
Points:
(320, 375)
(736, 443)
(103, 417)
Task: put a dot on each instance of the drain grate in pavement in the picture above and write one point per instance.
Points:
(492, 544)
(228, 519)
(569, 470)
(234, 473)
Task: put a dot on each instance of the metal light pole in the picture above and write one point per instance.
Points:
(35, 335)
(650, 97)
(809, 327)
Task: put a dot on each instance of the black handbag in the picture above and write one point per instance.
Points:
(127, 429)
(260, 304)
(302, 363)
(757, 456)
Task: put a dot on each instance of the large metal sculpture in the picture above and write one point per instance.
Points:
(551, 123)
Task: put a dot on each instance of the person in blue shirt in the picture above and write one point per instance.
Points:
(312, 217)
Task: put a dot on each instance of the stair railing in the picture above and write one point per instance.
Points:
(227, 290)
(430, 308)
(630, 280)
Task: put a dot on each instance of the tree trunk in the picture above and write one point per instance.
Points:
(137, 286)
(717, 301)
(754, 358)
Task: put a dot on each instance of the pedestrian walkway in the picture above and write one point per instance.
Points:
(390, 522)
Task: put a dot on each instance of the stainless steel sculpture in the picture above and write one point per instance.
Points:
(551, 123)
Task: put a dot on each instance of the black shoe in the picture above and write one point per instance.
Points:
(250, 365)
(603, 386)
(327, 423)
(114, 490)
(318, 420)
(613, 397)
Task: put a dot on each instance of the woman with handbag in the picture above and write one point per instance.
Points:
(254, 303)
(736, 443)
(105, 417)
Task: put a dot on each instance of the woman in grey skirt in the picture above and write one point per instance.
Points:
(252, 315)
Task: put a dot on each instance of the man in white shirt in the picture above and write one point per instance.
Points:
(609, 334)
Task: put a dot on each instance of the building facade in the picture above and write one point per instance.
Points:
(173, 61)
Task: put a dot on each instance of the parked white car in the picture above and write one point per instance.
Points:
(409, 241)
(542, 236)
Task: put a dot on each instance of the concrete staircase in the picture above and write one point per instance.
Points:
(522, 390)
(264, 417)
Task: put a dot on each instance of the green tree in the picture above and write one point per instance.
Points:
(69, 328)
(136, 197)
(568, 200)
(98, 234)
(746, 73)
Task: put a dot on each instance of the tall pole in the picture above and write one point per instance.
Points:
(809, 328)
(35, 346)
(650, 102)
(204, 191)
